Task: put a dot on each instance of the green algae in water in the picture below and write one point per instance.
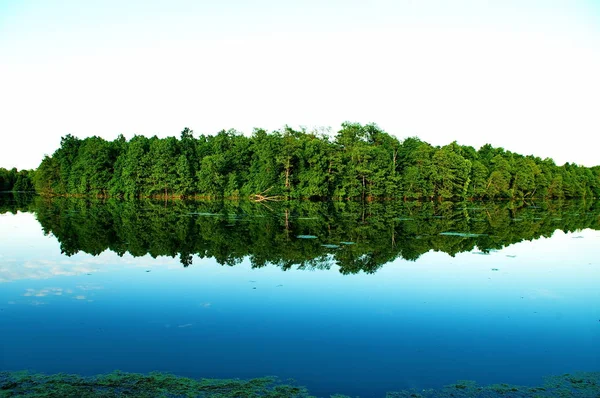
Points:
(462, 234)
(306, 237)
(120, 384)
(579, 385)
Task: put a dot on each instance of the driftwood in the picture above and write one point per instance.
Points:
(262, 197)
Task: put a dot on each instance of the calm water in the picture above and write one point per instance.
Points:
(340, 297)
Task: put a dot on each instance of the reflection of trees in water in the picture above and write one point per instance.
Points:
(13, 202)
(353, 235)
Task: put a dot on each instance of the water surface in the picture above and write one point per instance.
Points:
(342, 298)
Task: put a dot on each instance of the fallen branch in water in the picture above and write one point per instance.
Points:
(262, 197)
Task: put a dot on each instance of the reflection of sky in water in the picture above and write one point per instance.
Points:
(529, 310)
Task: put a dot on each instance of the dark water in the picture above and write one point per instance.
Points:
(340, 297)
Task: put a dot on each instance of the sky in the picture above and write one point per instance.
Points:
(518, 74)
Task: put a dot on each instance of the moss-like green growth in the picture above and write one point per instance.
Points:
(579, 385)
(120, 384)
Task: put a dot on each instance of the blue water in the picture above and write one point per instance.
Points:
(490, 318)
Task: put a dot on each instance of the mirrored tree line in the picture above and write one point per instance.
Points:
(356, 236)
(358, 162)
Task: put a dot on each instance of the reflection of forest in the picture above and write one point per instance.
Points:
(356, 236)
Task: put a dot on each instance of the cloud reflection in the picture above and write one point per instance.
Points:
(49, 291)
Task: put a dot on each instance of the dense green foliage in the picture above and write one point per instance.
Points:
(153, 385)
(16, 181)
(309, 235)
(119, 384)
(358, 162)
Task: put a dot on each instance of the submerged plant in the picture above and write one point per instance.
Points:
(578, 385)
(120, 384)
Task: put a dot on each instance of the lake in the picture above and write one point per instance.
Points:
(350, 298)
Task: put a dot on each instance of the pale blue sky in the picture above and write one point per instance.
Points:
(518, 74)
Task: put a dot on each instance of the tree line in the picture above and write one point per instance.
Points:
(16, 180)
(358, 162)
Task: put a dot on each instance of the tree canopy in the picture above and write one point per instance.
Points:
(358, 162)
(15, 180)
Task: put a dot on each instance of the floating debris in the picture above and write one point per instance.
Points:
(578, 237)
(347, 243)
(511, 255)
(462, 234)
(494, 269)
(306, 237)
(330, 246)
(403, 219)
(307, 218)
(205, 214)
(481, 253)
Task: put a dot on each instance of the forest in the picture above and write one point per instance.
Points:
(16, 180)
(358, 162)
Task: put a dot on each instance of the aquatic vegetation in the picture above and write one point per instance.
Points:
(462, 234)
(120, 384)
(578, 385)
